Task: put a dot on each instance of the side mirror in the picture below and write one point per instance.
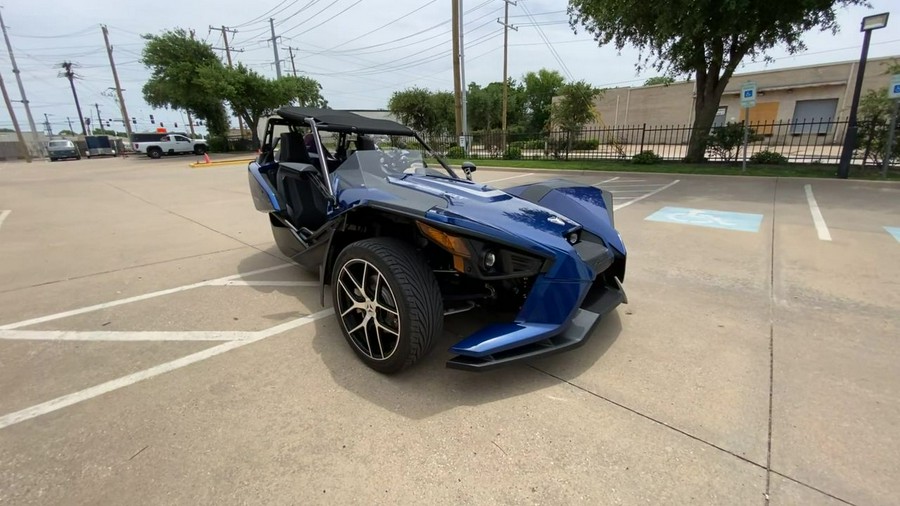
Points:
(468, 168)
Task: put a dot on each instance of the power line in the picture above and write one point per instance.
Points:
(543, 36)
(263, 15)
(389, 23)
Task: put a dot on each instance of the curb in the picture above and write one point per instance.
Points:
(219, 163)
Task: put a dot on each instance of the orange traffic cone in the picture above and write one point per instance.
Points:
(206, 158)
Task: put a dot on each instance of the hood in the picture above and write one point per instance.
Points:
(463, 203)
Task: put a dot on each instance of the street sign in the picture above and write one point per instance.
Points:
(748, 94)
(894, 89)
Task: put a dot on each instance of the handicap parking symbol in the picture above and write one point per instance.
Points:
(743, 222)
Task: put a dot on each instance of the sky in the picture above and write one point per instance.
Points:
(360, 52)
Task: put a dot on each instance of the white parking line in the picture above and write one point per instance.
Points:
(244, 282)
(115, 335)
(510, 177)
(103, 388)
(605, 181)
(818, 220)
(642, 197)
(127, 300)
(3, 215)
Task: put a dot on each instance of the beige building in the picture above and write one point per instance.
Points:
(803, 96)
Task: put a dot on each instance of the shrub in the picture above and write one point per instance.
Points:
(726, 141)
(585, 144)
(646, 157)
(512, 153)
(217, 144)
(456, 152)
(768, 157)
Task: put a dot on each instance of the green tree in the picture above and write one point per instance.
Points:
(103, 131)
(414, 107)
(61, 132)
(443, 106)
(657, 80)
(253, 96)
(177, 63)
(540, 88)
(875, 109)
(703, 37)
(574, 108)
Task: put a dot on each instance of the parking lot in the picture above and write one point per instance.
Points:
(156, 348)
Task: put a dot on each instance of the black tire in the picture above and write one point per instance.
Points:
(52, 159)
(412, 292)
(200, 150)
(154, 153)
(79, 157)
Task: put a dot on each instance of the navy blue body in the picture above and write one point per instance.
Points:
(538, 227)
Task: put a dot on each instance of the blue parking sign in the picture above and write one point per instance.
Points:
(748, 94)
(894, 88)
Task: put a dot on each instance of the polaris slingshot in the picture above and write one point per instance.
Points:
(403, 241)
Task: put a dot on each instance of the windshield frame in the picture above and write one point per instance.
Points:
(328, 171)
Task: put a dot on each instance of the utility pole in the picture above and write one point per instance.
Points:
(457, 93)
(12, 116)
(225, 31)
(47, 125)
(38, 145)
(112, 65)
(506, 27)
(191, 122)
(68, 74)
(462, 75)
(67, 119)
(99, 119)
(290, 51)
(274, 40)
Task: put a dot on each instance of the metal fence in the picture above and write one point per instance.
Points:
(804, 141)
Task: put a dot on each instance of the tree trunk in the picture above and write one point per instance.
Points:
(709, 92)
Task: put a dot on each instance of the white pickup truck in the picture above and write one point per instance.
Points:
(171, 144)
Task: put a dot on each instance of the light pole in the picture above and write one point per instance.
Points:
(868, 24)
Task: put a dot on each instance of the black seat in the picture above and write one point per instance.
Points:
(299, 186)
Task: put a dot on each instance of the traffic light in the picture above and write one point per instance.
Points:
(176, 125)
(134, 120)
(151, 119)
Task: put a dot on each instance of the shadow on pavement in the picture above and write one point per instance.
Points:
(429, 388)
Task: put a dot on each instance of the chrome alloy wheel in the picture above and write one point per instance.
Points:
(368, 309)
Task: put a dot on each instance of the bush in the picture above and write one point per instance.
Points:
(585, 144)
(768, 157)
(217, 144)
(512, 153)
(456, 152)
(727, 140)
(646, 157)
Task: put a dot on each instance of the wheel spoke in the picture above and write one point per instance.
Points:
(350, 275)
(348, 292)
(360, 326)
(385, 327)
(378, 336)
(366, 331)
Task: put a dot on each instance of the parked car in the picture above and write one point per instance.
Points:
(62, 149)
(100, 145)
(170, 144)
(403, 240)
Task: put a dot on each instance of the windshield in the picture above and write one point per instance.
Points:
(60, 144)
(387, 155)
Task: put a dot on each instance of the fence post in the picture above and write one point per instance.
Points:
(643, 133)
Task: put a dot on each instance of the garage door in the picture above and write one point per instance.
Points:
(813, 116)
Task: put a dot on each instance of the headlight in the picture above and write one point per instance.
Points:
(489, 259)
(482, 259)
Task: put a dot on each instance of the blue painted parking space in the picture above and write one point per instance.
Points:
(894, 231)
(743, 222)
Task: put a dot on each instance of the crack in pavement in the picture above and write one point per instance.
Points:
(685, 433)
(161, 208)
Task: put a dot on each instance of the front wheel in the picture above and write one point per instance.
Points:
(388, 303)
(200, 150)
